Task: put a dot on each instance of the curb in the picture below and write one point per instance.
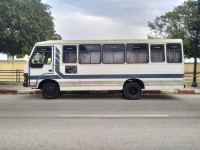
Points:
(171, 91)
(26, 92)
(8, 91)
(20, 91)
(36, 91)
(186, 92)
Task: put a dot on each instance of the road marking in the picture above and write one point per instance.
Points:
(108, 116)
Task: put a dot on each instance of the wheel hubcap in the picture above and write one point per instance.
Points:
(50, 90)
(133, 91)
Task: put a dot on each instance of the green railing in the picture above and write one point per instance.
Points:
(11, 75)
(190, 74)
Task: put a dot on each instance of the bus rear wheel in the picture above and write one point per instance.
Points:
(50, 90)
(132, 91)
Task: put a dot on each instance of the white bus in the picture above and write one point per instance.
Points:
(101, 65)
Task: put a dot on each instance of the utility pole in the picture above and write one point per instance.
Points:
(194, 83)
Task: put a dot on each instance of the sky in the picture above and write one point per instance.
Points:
(106, 19)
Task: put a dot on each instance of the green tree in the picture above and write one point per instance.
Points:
(180, 23)
(22, 24)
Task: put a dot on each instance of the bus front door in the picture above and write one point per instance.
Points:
(40, 63)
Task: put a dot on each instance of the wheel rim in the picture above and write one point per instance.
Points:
(50, 90)
(133, 91)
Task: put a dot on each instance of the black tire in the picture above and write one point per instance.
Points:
(132, 91)
(50, 90)
(61, 93)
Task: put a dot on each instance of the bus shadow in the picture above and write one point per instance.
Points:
(91, 97)
(119, 97)
(159, 97)
(113, 97)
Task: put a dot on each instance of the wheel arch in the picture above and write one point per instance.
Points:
(46, 81)
(140, 82)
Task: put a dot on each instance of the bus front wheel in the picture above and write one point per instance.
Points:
(50, 90)
(132, 91)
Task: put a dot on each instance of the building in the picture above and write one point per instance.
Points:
(9, 57)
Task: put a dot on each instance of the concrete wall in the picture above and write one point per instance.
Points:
(13, 65)
(189, 69)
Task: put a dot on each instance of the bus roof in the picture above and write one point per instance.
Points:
(122, 41)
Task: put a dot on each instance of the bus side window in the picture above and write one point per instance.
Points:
(113, 53)
(137, 53)
(174, 53)
(89, 54)
(157, 53)
(69, 54)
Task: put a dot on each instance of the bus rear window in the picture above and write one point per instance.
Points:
(174, 53)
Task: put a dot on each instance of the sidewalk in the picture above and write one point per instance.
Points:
(17, 88)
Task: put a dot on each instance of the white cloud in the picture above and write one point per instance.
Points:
(107, 19)
(80, 26)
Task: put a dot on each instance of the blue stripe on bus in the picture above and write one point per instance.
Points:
(57, 56)
(45, 77)
(57, 50)
(113, 76)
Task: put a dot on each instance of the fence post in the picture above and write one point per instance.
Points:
(16, 75)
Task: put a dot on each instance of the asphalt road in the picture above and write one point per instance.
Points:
(157, 122)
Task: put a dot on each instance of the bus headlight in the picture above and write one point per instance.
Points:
(25, 78)
(25, 84)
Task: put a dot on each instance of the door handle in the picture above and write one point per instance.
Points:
(50, 70)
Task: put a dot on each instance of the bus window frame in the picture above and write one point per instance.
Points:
(148, 52)
(63, 54)
(124, 62)
(33, 54)
(181, 52)
(90, 54)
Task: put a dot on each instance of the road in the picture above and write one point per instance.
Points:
(163, 122)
